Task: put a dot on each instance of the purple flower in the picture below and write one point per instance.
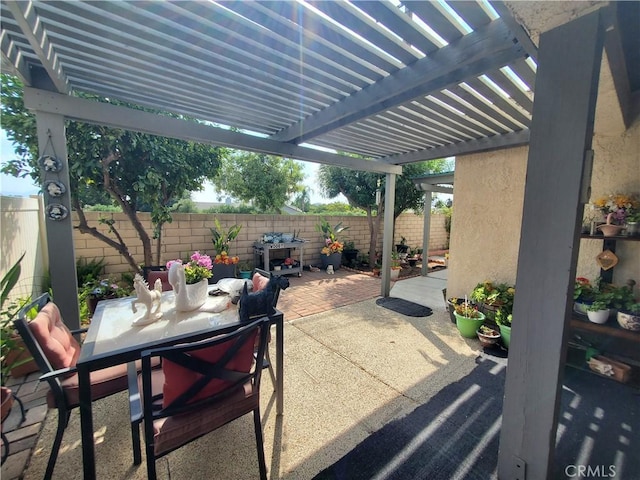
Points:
(202, 260)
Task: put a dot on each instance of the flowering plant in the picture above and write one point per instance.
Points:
(619, 206)
(468, 310)
(104, 289)
(332, 246)
(197, 268)
(225, 259)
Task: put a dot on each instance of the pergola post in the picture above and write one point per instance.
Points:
(52, 142)
(387, 235)
(557, 175)
(426, 231)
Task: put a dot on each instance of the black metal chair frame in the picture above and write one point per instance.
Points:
(151, 409)
(52, 376)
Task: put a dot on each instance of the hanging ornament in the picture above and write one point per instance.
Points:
(54, 188)
(57, 212)
(49, 163)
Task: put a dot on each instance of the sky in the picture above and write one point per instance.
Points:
(11, 186)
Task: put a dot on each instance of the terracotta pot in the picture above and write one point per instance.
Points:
(6, 401)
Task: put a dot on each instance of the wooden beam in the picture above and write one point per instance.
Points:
(139, 121)
(486, 144)
(27, 19)
(487, 48)
(561, 133)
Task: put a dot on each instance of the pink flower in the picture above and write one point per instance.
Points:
(202, 260)
(171, 262)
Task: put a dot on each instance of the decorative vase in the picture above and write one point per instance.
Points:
(245, 274)
(187, 297)
(629, 321)
(632, 229)
(610, 230)
(395, 273)
(196, 295)
(505, 334)
(598, 316)
(469, 326)
(334, 259)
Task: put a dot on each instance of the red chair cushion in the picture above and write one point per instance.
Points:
(55, 339)
(178, 379)
(259, 282)
(164, 278)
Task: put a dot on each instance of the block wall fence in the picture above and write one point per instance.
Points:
(191, 231)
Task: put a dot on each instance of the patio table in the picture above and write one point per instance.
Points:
(112, 340)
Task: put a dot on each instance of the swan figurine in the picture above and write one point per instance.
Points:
(186, 299)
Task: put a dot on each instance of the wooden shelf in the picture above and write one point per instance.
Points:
(582, 323)
(635, 238)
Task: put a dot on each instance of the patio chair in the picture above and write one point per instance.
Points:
(260, 278)
(56, 351)
(200, 387)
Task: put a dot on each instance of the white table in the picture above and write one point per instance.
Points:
(112, 340)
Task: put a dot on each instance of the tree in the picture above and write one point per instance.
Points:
(360, 188)
(136, 170)
(265, 180)
(302, 200)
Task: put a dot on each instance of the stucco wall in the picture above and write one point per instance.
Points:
(487, 211)
(189, 232)
(488, 199)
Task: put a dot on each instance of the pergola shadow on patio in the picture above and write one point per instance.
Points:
(350, 372)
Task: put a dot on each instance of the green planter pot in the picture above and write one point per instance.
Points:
(505, 333)
(468, 326)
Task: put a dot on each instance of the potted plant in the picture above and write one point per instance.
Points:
(12, 348)
(488, 336)
(349, 253)
(503, 318)
(95, 290)
(491, 296)
(402, 247)
(190, 280)
(395, 265)
(331, 253)
(224, 266)
(468, 319)
(629, 316)
(598, 311)
(583, 295)
(451, 307)
(245, 267)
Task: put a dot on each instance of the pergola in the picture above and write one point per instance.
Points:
(391, 82)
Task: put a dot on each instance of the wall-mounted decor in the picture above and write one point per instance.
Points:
(49, 163)
(57, 212)
(54, 188)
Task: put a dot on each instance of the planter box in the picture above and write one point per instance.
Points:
(18, 356)
(610, 368)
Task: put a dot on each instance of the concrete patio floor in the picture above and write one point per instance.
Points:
(349, 369)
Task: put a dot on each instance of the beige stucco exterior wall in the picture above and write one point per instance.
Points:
(189, 232)
(487, 212)
(488, 199)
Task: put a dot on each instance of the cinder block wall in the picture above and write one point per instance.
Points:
(191, 231)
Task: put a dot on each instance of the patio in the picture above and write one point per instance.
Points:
(328, 345)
